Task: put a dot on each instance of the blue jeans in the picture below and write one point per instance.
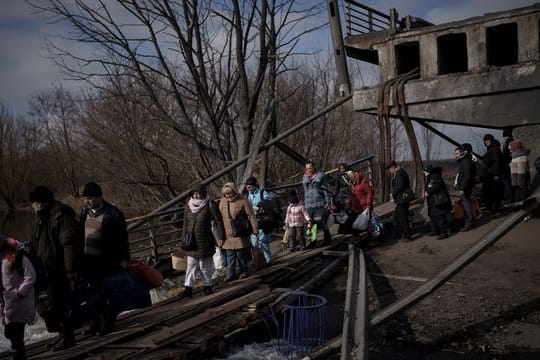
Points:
(264, 240)
(243, 258)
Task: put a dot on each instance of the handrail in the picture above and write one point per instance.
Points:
(374, 19)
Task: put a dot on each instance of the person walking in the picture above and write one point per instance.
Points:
(255, 196)
(199, 214)
(17, 297)
(438, 200)
(105, 243)
(296, 218)
(236, 208)
(465, 182)
(361, 197)
(317, 199)
(519, 170)
(57, 240)
(505, 163)
(401, 191)
(492, 186)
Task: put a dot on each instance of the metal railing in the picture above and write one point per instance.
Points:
(361, 19)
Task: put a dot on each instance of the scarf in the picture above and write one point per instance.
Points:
(196, 205)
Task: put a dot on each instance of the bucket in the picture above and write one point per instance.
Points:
(179, 260)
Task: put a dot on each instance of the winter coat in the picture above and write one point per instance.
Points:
(362, 194)
(58, 241)
(466, 177)
(506, 159)
(435, 185)
(200, 224)
(315, 191)
(493, 159)
(400, 183)
(297, 215)
(114, 244)
(238, 206)
(17, 300)
(519, 167)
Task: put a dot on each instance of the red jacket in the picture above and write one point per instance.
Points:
(361, 194)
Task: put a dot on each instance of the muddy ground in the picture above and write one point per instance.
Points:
(490, 310)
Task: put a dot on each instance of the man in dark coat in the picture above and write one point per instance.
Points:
(492, 187)
(465, 182)
(400, 183)
(105, 243)
(505, 166)
(438, 201)
(57, 241)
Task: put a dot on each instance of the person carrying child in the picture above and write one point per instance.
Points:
(295, 220)
(17, 300)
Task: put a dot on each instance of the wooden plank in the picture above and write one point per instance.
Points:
(409, 278)
(359, 347)
(349, 311)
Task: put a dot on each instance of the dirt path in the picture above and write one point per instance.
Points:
(491, 307)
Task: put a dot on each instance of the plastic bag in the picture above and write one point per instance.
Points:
(361, 221)
(218, 259)
(311, 233)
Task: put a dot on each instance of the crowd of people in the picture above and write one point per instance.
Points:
(72, 249)
(93, 246)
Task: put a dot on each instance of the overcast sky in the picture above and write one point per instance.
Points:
(25, 69)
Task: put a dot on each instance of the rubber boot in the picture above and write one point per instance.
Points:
(187, 293)
(208, 290)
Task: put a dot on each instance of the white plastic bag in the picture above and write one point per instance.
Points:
(361, 221)
(218, 260)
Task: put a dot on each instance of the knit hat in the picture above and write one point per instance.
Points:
(201, 189)
(41, 194)
(515, 144)
(429, 169)
(467, 147)
(251, 181)
(293, 197)
(92, 190)
(507, 132)
(489, 137)
(390, 164)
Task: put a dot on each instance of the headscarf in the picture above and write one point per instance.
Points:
(230, 186)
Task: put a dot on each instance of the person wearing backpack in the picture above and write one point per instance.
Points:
(255, 196)
(17, 300)
(57, 240)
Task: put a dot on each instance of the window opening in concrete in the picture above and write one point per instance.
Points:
(452, 53)
(407, 57)
(502, 44)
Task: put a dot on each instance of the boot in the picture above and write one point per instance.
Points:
(187, 293)
(67, 341)
(108, 322)
(207, 290)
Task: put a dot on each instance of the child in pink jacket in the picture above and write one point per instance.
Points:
(295, 220)
(17, 300)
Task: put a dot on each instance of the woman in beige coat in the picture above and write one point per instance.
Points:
(233, 205)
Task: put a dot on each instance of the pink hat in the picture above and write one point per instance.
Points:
(515, 144)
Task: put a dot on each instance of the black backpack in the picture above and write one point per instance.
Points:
(270, 215)
(42, 278)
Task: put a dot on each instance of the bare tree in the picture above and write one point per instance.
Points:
(200, 67)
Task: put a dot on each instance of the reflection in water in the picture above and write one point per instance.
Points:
(17, 223)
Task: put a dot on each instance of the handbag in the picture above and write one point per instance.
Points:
(459, 213)
(150, 276)
(258, 257)
(440, 199)
(361, 221)
(375, 227)
(240, 225)
(188, 242)
(405, 197)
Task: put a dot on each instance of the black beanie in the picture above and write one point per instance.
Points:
(251, 181)
(507, 132)
(92, 190)
(201, 189)
(293, 197)
(41, 194)
(489, 137)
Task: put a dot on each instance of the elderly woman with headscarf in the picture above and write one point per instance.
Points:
(198, 216)
(519, 170)
(233, 207)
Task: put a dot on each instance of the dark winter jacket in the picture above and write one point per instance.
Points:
(466, 178)
(315, 191)
(343, 190)
(114, 243)
(400, 182)
(434, 187)
(200, 224)
(506, 159)
(493, 159)
(58, 241)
